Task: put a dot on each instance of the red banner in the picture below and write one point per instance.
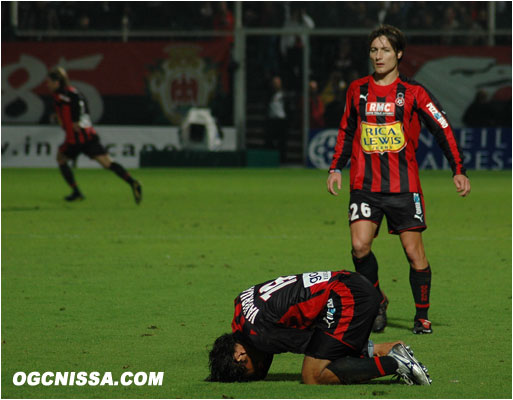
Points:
(174, 74)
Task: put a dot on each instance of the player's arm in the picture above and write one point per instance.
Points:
(281, 339)
(344, 145)
(273, 338)
(55, 117)
(434, 118)
(75, 110)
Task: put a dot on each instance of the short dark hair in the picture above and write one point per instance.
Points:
(394, 35)
(223, 367)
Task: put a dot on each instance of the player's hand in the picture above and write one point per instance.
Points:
(462, 184)
(334, 178)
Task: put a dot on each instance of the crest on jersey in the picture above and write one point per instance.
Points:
(399, 100)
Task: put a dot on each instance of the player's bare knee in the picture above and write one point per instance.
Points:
(360, 248)
(324, 377)
(308, 378)
(314, 372)
(308, 373)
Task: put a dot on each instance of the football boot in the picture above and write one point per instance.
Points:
(422, 326)
(409, 369)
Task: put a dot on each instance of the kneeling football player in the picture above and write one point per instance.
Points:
(327, 316)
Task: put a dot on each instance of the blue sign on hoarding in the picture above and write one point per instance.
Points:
(483, 149)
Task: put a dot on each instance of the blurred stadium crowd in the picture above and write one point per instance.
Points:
(83, 15)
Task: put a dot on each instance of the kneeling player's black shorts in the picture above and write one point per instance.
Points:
(344, 326)
(404, 211)
(90, 148)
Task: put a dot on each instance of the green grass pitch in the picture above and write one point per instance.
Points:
(105, 285)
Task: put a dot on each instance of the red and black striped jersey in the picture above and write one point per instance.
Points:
(379, 133)
(71, 107)
(279, 316)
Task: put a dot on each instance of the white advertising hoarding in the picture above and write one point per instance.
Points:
(36, 146)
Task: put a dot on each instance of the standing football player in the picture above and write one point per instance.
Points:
(327, 316)
(73, 115)
(379, 133)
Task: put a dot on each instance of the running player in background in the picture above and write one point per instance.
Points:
(327, 316)
(379, 133)
(73, 115)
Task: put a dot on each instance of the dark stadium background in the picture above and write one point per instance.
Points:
(246, 44)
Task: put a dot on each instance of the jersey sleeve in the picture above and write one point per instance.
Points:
(281, 339)
(346, 132)
(62, 103)
(74, 106)
(434, 118)
(269, 336)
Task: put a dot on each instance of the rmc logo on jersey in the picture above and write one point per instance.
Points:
(382, 138)
(380, 109)
(438, 115)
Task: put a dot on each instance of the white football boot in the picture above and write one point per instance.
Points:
(409, 368)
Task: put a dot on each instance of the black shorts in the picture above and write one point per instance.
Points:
(91, 148)
(404, 211)
(344, 326)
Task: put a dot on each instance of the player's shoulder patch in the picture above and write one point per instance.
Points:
(313, 278)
